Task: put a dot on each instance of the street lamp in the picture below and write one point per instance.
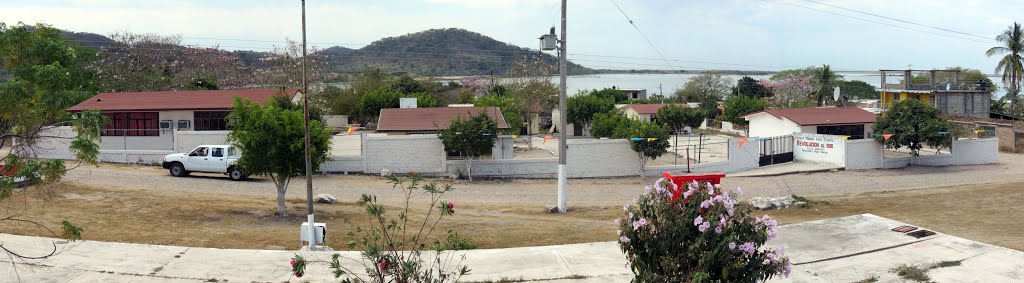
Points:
(548, 42)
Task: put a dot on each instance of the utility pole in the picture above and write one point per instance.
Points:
(309, 159)
(562, 147)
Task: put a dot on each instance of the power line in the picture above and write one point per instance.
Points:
(895, 19)
(872, 21)
(641, 32)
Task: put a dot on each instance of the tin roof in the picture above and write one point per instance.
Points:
(822, 116)
(178, 100)
(433, 118)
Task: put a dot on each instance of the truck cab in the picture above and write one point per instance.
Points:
(206, 159)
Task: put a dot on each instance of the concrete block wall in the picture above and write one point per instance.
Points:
(521, 168)
(162, 142)
(601, 158)
(343, 164)
(57, 146)
(420, 153)
(979, 151)
(185, 141)
(146, 157)
(863, 154)
(829, 149)
(1007, 139)
(893, 163)
(933, 160)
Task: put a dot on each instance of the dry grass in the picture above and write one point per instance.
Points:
(987, 213)
(223, 221)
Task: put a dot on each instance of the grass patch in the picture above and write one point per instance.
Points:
(912, 273)
(871, 279)
(807, 203)
(946, 263)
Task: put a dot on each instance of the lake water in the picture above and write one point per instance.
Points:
(669, 83)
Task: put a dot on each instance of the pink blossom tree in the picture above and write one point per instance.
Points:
(793, 91)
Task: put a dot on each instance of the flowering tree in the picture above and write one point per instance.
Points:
(697, 234)
(479, 85)
(792, 91)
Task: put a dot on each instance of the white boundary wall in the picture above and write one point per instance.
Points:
(815, 148)
(400, 154)
(185, 141)
(863, 154)
(867, 154)
(972, 152)
(740, 159)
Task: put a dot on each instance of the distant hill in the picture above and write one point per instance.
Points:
(91, 40)
(441, 52)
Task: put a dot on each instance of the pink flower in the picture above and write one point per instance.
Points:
(624, 239)
(625, 207)
(732, 245)
(647, 190)
(383, 264)
(749, 248)
(639, 223)
(293, 263)
(618, 232)
(698, 220)
(451, 205)
(718, 230)
(704, 227)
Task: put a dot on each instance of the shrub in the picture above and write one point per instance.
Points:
(698, 235)
(399, 249)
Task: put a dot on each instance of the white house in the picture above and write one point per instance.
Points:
(842, 121)
(146, 120)
(642, 112)
(635, 93)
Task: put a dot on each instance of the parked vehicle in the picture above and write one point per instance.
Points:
(9, 172)
(207, 159)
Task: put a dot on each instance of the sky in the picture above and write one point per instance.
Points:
(685, 34)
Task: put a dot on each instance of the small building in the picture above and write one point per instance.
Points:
(146, 120)
(404, 121)
(941, 90)
(642, 112)
(635, 93)
(842, 121)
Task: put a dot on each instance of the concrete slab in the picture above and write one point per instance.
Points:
(531, 263)
(231, 265)
(35, 273)
(115, 257)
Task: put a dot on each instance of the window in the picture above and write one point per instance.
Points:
(132, 124)
(198, 152)
(218, 152)
(211, 120)
(232, 151)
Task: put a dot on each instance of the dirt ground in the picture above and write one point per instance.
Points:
(988, 213)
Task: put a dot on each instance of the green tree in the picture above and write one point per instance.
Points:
(1012, 64)
(748, 86)
(46, 77)
(677, 117)
(824, 81)
(705, 86)
(582, 108)
(912, 124)
(738, 106)
(616, 95)
(470, 138)
(857, 90)
(967, 80)
(610, 125)
(272, 141)
(371, 103)
(337, 101)
(649, 140)
(510, 109)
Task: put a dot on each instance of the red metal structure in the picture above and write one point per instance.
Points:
(681, 180)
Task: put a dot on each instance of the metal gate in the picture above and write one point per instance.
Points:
(776, 150)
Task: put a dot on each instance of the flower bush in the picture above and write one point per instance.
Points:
(399, 249)
(697, 234)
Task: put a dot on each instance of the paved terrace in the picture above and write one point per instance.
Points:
(835, 250)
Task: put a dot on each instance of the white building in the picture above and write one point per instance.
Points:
(147, 120)
(843, 121)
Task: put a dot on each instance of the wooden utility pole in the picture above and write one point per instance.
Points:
(562, 147)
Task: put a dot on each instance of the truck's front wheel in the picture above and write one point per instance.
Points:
(178, 170)
(236, 175)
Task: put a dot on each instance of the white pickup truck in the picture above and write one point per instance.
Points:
(208, 159)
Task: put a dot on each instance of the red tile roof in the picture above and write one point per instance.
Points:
(646, 108)
(177, 100)
(431, 119)
(822, 116)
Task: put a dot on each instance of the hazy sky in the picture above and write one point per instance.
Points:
(732, 34)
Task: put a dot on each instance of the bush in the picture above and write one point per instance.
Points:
(697, 235)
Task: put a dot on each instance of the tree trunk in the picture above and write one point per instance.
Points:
(282, 188)
(643, 165)
(469, 167)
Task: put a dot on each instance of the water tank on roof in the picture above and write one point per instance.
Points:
(980, 85)
(407, 102)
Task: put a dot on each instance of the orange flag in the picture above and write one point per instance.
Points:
(546, 138)
(742, 141)
(886, 136)
(351, 129)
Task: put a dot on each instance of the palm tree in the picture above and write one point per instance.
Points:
(825, 79)
(1012, 65)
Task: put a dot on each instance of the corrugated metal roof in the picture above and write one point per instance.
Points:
(823, 116)
(178, 100)
(432, 119)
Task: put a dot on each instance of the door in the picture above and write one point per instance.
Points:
(218, 160)
(198, 159)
